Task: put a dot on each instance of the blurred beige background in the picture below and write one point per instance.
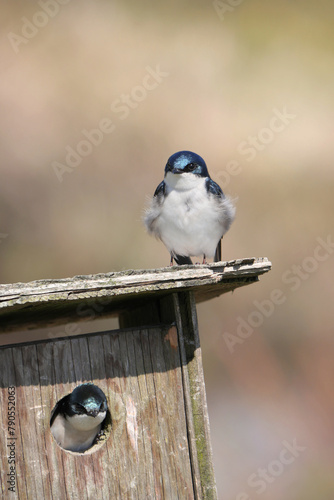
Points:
(248, 85)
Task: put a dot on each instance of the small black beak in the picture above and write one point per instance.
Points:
(93, 413)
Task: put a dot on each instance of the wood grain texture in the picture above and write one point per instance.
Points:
(52, 302)
(195, 397)
(146, 455)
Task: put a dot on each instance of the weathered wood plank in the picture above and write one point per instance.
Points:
(195, 398)
(50, 302)
(11, 447)
(147, 454)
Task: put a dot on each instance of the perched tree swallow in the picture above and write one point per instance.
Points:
(77, 418)
(189, 212)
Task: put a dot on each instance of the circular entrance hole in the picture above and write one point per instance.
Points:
(81, 421)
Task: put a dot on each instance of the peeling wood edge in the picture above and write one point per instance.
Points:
(128, 282)
(48, 303)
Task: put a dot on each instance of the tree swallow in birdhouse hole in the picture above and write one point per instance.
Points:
(77, 419)
(189, 212)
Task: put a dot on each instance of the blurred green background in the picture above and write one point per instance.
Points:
(224, 71)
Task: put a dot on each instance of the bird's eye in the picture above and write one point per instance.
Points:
(191, 166)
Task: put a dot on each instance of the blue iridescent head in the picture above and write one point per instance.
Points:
(87, 399)
(186, 162)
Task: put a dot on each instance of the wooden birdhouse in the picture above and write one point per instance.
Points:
(156, 443)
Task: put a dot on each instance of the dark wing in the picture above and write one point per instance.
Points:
(213, 188)
(58, 409)
(153, 210)
(218, 253)
(161, 190)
